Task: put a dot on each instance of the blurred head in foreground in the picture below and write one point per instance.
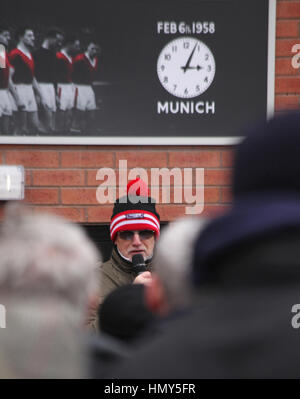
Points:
(124, 314)
(266, 203)
(46, 281)
(171, 287)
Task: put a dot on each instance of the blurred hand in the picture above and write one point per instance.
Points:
(143, 278)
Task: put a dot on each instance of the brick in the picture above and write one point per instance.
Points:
(284, 67)
(217, 177)
(89, 159)
(83, 196)
(70, 213)
(32, 158)
(289, 9)
(58, 178)
(287, 102)
(287, 28)
(108, 197)
(227, 158)
(176, 180)
(142, 159)
(101, 213)
(287, 85)
(213, 211)
(171, 212)
(28, 178)
(41, 195)
(194, 159)
(211, 194)
(91, 178)
(226, 195)
(279, 113)
(284, 47)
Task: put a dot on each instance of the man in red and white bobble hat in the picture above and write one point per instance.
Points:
(134, 229)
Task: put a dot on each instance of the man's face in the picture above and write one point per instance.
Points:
(59, 40)
(74, 49)
(92, 50)
(130, 243)
(5, 37)
(56, 43)
(28, 38)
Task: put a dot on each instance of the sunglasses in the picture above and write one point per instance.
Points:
(143, 234)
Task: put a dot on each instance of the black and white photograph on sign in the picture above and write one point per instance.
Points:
(118, 72)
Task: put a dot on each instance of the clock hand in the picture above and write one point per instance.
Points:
(187, 65)
(198, 67)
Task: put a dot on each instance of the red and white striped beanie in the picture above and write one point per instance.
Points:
(135, 211)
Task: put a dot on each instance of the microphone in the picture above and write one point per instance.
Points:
(139, 265)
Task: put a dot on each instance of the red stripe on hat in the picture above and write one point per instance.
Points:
(134, 220)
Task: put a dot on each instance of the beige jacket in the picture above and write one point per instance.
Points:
(112, 274)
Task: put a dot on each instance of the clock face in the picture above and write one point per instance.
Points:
(186, 67)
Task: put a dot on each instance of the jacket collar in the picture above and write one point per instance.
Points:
(124, 264)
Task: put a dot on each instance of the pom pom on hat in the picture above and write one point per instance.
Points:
(137, 187)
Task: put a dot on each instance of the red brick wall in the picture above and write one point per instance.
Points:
(287, 80)
(62, 179)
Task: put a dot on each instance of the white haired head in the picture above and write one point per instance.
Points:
(173, 262)
(47, 277)
(42, 254)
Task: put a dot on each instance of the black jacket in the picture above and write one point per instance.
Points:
(246, 288)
